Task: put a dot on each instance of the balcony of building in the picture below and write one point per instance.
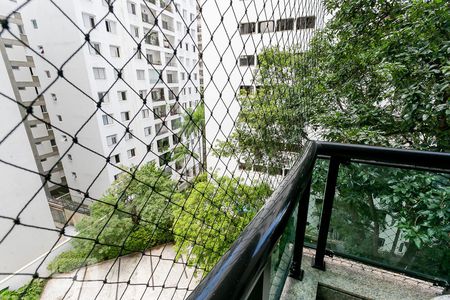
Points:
(153, 57)
(151, 37)
(167, 24)
(157, 95)
(169, 42)
(159, 112)
(161, 128)
(173, 93)
(148, 15)
(171, 61)
(308, 243)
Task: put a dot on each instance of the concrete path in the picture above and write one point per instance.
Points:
(131, 277)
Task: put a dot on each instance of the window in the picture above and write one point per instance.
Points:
(116, 158)
(153, 76)
(59, 118)
(53, 142)
(140, 74)
(34, 23)
(266, 26)
(306, 22)
(285, 24)
(122, 95)
(103, 97)
(132, 8)
(111, 139)
(247, 28)
(88, 21)
(148, 131)
(190, 90)
(20, 28)
(131, 153)
(247, 60)
(94, 48)
(110, 26)
(143, 94)
(151, 38)
(54, 97)
(107, 119)
(192, 17)
(69, 156)
(64, 138)
(178, 26)
(195, 76)
(115, 51)
(135, 31)
(74, 175)
(129, 135)
(47, 73)
(99, 73)
(145, 113)
(125, 115)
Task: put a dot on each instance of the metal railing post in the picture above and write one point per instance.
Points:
(302, 216)
(325, 217)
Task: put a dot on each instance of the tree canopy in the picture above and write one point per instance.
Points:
(132, 216)
(378, 73)
(213, 216)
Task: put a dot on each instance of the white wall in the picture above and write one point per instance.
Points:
(19, 189)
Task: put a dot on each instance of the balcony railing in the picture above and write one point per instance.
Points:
(243, 271)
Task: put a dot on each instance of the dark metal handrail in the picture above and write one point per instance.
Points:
(238, 273)
(399, 158)
(239, 269)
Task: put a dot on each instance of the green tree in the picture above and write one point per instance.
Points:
(30, 291)
(212, 217)
(377, 74)
(132, 216)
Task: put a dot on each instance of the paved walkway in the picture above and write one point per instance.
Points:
(155, 278)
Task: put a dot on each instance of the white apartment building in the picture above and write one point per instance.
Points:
(247, 29)
(26, 149)
(124, 106)
(20, 74)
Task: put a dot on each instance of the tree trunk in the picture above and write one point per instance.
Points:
(394, 244)
(376, 227)
(204, 158)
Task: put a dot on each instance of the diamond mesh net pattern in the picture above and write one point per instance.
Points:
(119, 107)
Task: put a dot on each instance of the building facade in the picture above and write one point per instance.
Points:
(241, 31)
(27, 148)
(119, 78)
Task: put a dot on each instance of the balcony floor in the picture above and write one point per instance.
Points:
(353, 280)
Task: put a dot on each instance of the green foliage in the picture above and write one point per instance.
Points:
(213, 216)
(33, 291)
(124, 221)
(381, 74)
(377, 74)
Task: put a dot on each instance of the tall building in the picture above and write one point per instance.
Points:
(19, 72)
(27, 147)
(242, 30)
(118, 80)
